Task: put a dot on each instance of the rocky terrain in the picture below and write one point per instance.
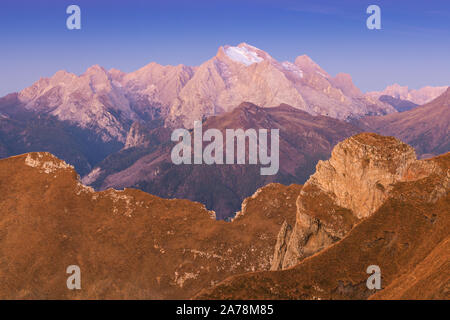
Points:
(365, 198)
(419, 97)
(371, 203)
(426, 128)
(128, 244)
(246, 73)
(146, 164)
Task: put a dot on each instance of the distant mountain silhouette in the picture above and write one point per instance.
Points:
(426, 128)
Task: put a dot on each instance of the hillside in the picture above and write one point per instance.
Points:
(405, 233)
(128, 244)
(304, 139)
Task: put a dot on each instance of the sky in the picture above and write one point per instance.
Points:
(412, 48)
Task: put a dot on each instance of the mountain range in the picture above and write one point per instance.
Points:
(371, 203)
(114, 127)
(109, 101)
(426, 127)
(147, 165)
(417, 96)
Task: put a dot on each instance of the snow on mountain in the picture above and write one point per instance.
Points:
(242, 55)
(109, 101)
(294, 69)
(246, 73)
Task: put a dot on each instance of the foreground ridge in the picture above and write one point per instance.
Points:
(371, 203)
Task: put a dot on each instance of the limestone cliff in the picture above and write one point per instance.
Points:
(345, 189)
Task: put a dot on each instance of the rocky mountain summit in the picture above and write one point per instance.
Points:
(107, 101)
(246, 73)
(90, 100)
(372, 203)
(351, 186)
(426, 127)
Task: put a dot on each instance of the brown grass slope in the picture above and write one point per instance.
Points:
(128, 244)
(408, 237)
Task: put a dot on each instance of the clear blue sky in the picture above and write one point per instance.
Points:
(413, 47)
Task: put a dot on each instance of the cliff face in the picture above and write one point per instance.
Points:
(404, 230)
(361, 170)
(348, 187)
(138, 136)
(128, 244)
(246, 73)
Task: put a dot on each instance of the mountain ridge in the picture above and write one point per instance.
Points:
(133, 245)
(304, 139)
(425, 127)
(405, 234)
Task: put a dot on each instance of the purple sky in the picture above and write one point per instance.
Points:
(413, 47)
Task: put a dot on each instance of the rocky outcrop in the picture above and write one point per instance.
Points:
(407, 237)
(360, 171)
(127, 243)
(280, 246)
(137, 136)
(345, 189)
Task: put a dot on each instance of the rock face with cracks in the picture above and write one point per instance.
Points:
(348, 187)
(404, 231)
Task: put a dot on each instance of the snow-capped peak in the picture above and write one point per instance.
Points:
(243, 54)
